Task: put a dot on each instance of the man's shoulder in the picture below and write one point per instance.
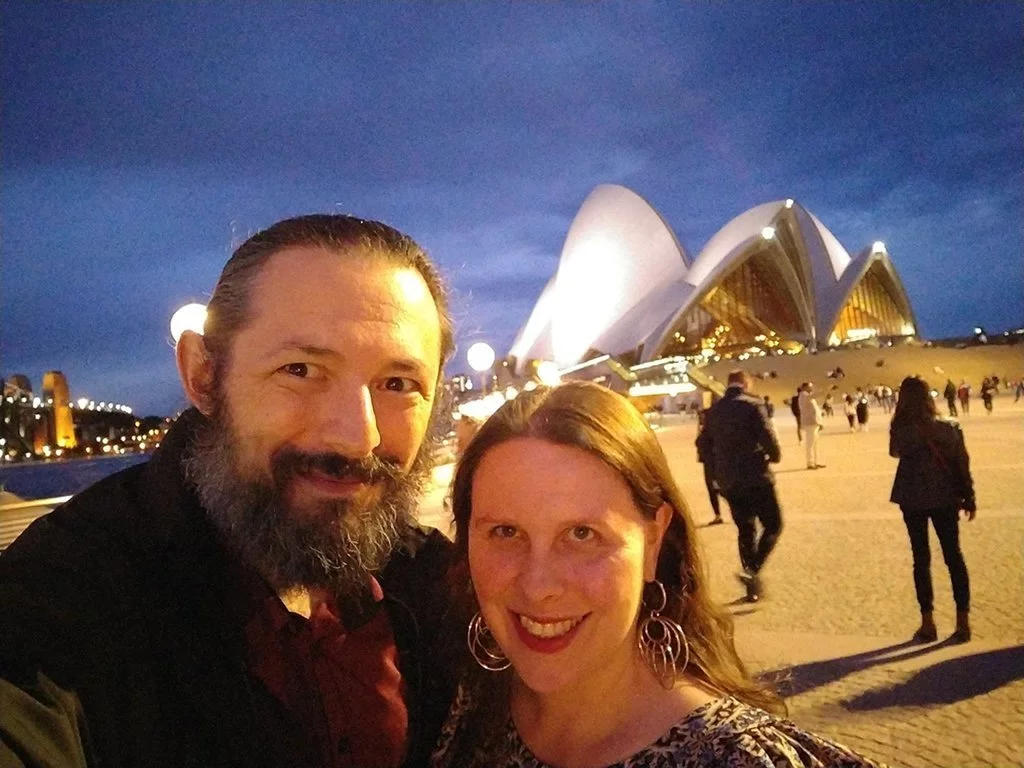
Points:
(91, 519)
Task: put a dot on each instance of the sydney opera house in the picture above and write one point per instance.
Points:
(774, 279)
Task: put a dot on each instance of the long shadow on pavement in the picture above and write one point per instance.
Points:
(948, 681)
(792, 681)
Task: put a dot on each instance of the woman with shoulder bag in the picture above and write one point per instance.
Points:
(933, 482)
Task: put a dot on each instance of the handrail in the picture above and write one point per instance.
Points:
(20, 505)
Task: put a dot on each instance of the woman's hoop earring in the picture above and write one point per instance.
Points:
(661, 642)
(484, 647)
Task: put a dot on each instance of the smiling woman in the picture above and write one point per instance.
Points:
(593, 639)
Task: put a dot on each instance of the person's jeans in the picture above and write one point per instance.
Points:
(709, 481)
(750, 506)
(947, 528)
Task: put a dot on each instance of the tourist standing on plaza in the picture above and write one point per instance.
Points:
(709, 476)
(963, 393)
(740, 440)
(593, 639)
(862, 410)
(810, 422)
(950, 394)
(257, 594)
(933, 482)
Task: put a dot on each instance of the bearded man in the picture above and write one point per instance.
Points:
(256, 594)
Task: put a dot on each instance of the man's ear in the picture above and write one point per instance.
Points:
(656, 529)
(196, 370)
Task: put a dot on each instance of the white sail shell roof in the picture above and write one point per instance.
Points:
(623, 280)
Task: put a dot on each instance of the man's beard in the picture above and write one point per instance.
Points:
(333, 544)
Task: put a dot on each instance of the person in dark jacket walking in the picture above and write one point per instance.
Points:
(950, 394)
(258, 593)
(933, 482)
(709, 474)
(739, 438)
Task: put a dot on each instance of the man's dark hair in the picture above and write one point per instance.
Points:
(228, 309)
(740, 377)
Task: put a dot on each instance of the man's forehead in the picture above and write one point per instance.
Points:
(314, 290)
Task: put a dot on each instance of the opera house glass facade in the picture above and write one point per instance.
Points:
(774, 279)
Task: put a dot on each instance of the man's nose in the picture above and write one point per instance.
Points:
(348, 423)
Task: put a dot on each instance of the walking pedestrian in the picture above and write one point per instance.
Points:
(988, 393)
(810, 421)
(740, 439)
(850, 409)
(769, 407)
(963, 394)
(862, 410)
(933, 482)
(827, 406)
(709, 474)
(950, 394)
(1018, 391)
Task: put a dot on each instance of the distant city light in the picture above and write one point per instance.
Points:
(480, 356)
(768, 233)
(191, 317)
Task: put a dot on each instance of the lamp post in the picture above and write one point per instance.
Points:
(480, 357)
(191, 317)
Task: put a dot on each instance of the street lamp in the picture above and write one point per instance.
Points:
(480, 357)
(191, 317)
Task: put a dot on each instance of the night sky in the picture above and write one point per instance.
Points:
(141, 142)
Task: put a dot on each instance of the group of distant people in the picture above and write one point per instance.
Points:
(961, 394)
(736, 443)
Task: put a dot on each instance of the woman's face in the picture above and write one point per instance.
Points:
(559, 554)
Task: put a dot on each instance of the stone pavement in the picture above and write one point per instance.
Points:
(840, 606)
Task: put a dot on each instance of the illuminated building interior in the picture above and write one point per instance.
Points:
(873, 309)
(749, 305)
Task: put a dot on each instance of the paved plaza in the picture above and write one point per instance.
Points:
(840, 606)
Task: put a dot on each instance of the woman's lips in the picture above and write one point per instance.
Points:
(547, 635)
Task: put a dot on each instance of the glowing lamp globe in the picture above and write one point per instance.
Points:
(191, 317)
(480, 356)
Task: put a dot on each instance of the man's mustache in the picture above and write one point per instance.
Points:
(289, 462)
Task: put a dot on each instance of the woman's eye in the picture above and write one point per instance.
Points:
(503, 531)
(400, 384)
(582, 533)
(299, 370)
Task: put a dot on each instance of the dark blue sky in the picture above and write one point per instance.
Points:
(141, 142)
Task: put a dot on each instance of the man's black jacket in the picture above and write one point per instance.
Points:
(739, 441)
(124, 598)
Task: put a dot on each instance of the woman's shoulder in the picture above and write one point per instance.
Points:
(731, 734)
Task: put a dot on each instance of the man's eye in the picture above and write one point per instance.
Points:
(299, 370)
(503, 532)
(582, 533)
(400, 384)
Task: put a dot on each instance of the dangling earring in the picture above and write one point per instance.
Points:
(484, 647)
(661, 642)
